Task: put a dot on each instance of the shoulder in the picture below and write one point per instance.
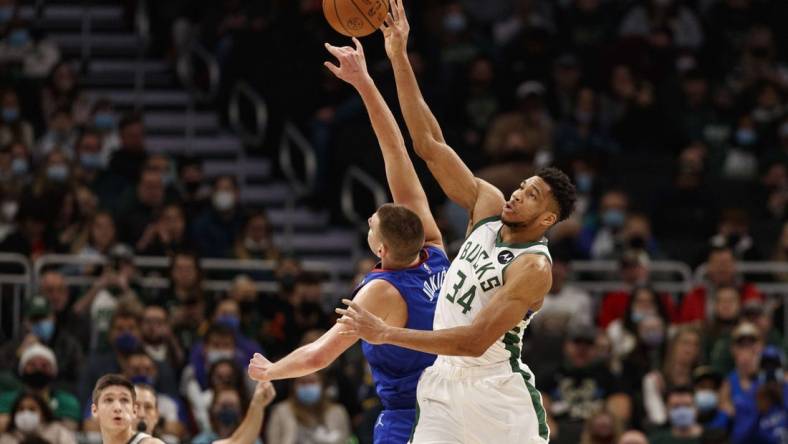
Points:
(532, 264)
(379, 296)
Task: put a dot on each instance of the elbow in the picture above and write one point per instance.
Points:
(422, 146)
(471, 348)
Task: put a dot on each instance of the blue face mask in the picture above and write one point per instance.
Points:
(10, 115)
(636, 317)
(57, 173)
(91, 161)
(126, 343)
(44, 329)
(142, 379)
(19, 166)
(613, 218)
(228, 416)
(309, 394)
(104, 121)
(229, 321)
(454, 22)
(584, 182)
(682, 417)
(6, 13)
(19, 38)
(746, 136)
(706, 400)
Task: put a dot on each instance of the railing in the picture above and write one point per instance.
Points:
(186, 74)
(292, 139)
(254, 136)
(142, 29)
(14, 281)
(355, 175)
(666, 276)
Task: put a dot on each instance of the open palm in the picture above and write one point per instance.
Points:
(396, 29)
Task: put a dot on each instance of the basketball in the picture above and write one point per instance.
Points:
(355, 18)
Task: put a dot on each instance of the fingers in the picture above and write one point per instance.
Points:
(336, 52)
(359, 48)
(394, 10)
(331, 67)
(389, 21)
(353, 306)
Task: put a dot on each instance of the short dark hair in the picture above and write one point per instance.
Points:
(680, 390)
(147, 387)
(130, 118)
(562, 188)
(46, 412)
(218, 330)
(110, 380)
(125, 312)
(402, 230)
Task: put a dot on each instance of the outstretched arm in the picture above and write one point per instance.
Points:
(478, 197)
(400, 174)
(528, 280)
(249, 429)
(377, 297)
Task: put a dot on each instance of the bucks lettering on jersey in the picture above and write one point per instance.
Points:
(471, 282)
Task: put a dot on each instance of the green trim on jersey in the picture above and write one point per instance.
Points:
(500, 243)
(510, 340)
(482, 222)
(415, 423)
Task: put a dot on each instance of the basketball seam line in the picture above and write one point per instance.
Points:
(362, 14)
(339, 19)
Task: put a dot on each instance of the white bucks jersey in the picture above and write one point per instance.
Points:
(471, 282)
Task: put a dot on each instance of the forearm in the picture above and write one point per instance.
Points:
(421, 123)
(302, 361)
(249, 429)
(84, 303)
(457, 341)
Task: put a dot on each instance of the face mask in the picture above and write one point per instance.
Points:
(653, 338)
(636, 317)
(44, 329)
(584, 181)
(745, 136)
(57, 173)
(613, 218)
(682, 417)
(104, 121)
(228, 416)
(9, 210)
(37, 380)
(91, 161)
(19, 166)
(168, 179)
(309, 394)
(19, 38)
(251, 244)
(6, 13)
(142, 379)
(191, 187)
(126, 343)
(229, 321)
(706, 400)
(223, 200)
(26, 421)
(214, 356)
(10, 115)
(454, 22)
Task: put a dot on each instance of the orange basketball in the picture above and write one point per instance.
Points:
(355, 18)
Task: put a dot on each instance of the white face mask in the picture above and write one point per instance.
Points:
(26, 421)
(9, 209)
(214, 356)
(223, 200)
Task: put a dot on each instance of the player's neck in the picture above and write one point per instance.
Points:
(399, 265)
(119, 437)
(521, 235)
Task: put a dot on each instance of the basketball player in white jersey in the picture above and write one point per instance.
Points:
(478, 391)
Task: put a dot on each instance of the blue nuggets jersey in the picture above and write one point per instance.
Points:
(396, 370)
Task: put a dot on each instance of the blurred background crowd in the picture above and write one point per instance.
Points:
(670, 116)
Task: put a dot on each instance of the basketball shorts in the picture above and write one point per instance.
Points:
(479, 405)
(394, 426)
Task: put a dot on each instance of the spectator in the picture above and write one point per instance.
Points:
(755, 312)
(52, 285)
(219, 343)
(727, 310)
(601, 428)
(158, 340)
(99, 241)
(226, 412)
(167, 235)
(33, 418)
(104, 120)
(598, 239)
(128, 160)
(734, 232)
(307, 302)
(738, 393)
(567, 74)
(33, 237)
(244, 292)
(781, 251)
(27, 54)
(38, 371)
(257, 241)
(13, 127)
(223, 374)
(677, 21)
(14, 167)
(73, 222)
(184, 299)
(580, 386)
(721, 272)
(581, 134)
(147, 410)
(41, 327)
(62, 91)
(684, 427)
(139, 210)
(228, 313)
(648, 353)
(706, 383)
(194, 194)
(61, 134)
(564, 304)
(683, 355)
(307, 416)
(633, 437)
(215, 229)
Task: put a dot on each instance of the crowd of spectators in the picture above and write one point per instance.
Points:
(670, 116)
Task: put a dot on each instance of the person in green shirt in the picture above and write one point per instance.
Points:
(684, 427)
(37, 370)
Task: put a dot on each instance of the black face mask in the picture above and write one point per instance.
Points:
(36, 380)
(191, 187)
(248, 307)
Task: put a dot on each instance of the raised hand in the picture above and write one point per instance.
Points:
(352, 64)
(396, 29)
(360, 322)
(264, 393)
(258, 368)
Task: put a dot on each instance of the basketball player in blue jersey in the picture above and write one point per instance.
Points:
(402, 289)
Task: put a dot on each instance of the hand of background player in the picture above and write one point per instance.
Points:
(264, 393)
(258, 368)
(352, 64)
(359, 322)
(396, 29)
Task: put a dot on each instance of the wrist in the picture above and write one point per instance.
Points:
(365, 84)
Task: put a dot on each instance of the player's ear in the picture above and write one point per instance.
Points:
(549, 219)
(93, 409)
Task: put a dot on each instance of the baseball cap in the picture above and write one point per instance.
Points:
(745, 330)
(38, 307)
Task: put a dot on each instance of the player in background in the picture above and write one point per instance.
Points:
(115, 408)
(478, 390)
(401, 290)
